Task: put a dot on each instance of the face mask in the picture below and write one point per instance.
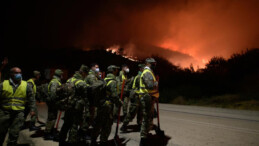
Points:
(18, 77)
(127, 70)
(97, 70)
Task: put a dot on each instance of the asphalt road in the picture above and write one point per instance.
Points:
(183, 126)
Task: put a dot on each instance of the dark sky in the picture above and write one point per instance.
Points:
(183, 31)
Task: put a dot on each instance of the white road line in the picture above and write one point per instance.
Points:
(218, 126)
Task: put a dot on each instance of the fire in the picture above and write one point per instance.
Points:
(115, 49)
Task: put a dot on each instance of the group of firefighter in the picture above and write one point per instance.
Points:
(86, 115)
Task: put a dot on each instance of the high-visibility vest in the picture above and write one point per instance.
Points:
(123, 77)
(34, 86)
(16, 100)
(134, 87)
(52, 81)
(142, 86)
(110, 80)
(75, 80)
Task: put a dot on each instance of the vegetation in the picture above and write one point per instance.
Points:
(231, 83)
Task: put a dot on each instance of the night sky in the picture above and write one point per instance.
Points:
(182, 31)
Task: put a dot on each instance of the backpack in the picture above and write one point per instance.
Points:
(42, 92)
(96, 92)
(66, 95)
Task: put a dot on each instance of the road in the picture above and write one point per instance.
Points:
(183, 126)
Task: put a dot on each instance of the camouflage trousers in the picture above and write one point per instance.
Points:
(26, 113)
(125, 105)
(52, 116)
(134, 109)
(147, 104)
(72, 120)
(12, 120)
(104, 121)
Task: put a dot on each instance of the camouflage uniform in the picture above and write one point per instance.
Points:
(74, 116)
(90, 80)
(134, 103)
(13, 119)
(120, 79)
(32, 84)
(148, 86)
(52, 105)
(104, 117)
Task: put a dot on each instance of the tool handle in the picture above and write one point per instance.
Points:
(118, 120)
(59, 116)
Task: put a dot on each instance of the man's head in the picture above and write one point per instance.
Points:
(113, 69)
(151, 62)
(141, 67)
(95, 67)
(84, 70)
(16, 74)
(36, 74)
(125, 68)
(59, 73)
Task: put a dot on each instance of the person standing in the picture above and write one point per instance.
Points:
(74, 115)
(51, 103)
(104, 118)
(13, 95)
(134, 108)
(31, 82)
(147, 87)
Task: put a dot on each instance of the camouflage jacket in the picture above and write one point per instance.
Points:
(91, 78)
(52, 88)
(112, 88)
(128, 83)
(135, 85)
(80, 89)
(148, 80)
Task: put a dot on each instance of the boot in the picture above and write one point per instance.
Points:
(33, 127)
(56, 136)
(93, 142)
(123, 128)
(48, 136)
(143, 142)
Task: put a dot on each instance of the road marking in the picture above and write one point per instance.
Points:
(218, 126)
(218, 116)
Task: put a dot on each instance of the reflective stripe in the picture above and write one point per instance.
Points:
(34, 86)
(14, 100)
(17, 98)
(109, 82)
(108, 102)
(143, 88)
(13, 104)
(134, 82)
(79, 81)
(53, 80)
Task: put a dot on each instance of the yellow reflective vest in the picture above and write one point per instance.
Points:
(73, 79)
(14, 100)
(134, 87)
(143, 89)
(34, 86)
(52, 81)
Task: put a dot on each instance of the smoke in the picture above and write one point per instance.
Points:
(182, 31)
(196, 30)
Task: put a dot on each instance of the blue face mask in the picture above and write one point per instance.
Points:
(97, 70)
(18, 77)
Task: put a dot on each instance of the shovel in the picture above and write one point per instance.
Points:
(116, 137)
(159, 132)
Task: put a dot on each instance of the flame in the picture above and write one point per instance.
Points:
(115, 50)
